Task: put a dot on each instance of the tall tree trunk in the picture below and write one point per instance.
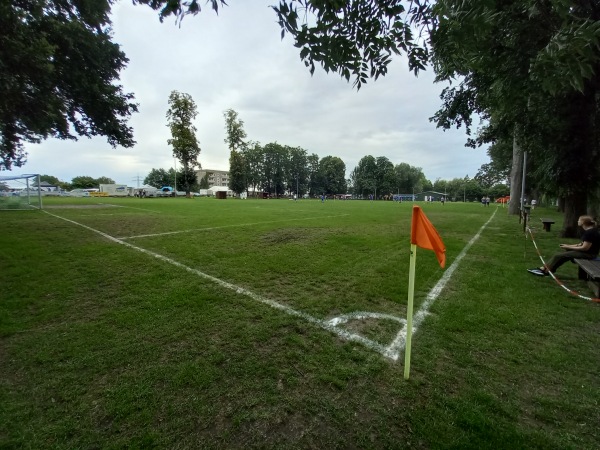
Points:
(516, 172)
(578, 158)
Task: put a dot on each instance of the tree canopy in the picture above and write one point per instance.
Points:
(530, 69)
(180, 115)
(59, 76)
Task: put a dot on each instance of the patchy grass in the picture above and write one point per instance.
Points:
(103, 345)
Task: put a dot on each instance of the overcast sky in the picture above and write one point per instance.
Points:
(237, 60)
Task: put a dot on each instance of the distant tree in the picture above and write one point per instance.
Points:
(332, 172)
(384, 175)
(158, 178)
(84, 182)
(48, 179)
(105, 180)
(234, 138)
(204, 181)
(254, 157)
(59, 76)
(314, 187)
(499, 190)
(364, 176)
(440, 186)
(4, 187)
(182, 111)
(234, 130)
(237, 172)
(298, 170)
(410, 179)
(274, 168)
(186, 179)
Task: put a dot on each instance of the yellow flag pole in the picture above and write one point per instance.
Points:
(409, 309)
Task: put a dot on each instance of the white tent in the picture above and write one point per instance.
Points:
(214, 189)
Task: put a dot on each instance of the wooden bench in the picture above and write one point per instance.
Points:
(589, 269)
(547, 223)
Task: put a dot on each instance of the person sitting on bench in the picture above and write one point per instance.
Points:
(587, 249)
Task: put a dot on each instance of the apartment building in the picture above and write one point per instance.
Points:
(215, 177)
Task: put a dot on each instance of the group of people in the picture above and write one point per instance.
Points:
(588, 248)
(485, 201)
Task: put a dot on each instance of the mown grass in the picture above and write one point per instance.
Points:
(103, 346)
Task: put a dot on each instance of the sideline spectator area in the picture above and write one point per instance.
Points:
(589, 269)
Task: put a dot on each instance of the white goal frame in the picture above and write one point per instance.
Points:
(29, 197)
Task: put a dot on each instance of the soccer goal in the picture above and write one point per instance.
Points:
(20, 192)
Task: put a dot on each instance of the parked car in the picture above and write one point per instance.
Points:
(78, 193)
(168, 191)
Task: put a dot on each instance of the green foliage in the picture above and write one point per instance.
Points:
(59, 76)
(105, 180)
(355, 38)
(237, 172)
(180, 115)
(186, 180)
(531, 69)
(178, 8)
(378, 176)
(158, 178)
(275, 162)
(204, 182)
(54, 181)
(48, 179)
(234, 130)
(332, 175)
(85, 182)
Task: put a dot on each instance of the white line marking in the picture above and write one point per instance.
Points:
(166, 233)
(397, 346)
(242, 291)
(131, 207)
(392, 351)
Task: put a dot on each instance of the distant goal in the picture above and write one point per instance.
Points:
(20, 192)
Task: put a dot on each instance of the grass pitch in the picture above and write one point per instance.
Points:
(156, 339)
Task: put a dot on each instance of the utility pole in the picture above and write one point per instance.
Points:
(175, 172)
(137, 179)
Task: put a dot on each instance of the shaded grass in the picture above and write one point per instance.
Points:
(102, 346)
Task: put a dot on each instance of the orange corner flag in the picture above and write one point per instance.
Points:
(423, 234)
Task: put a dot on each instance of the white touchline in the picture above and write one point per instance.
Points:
(391, 351)
(397, 346)
(226, 226)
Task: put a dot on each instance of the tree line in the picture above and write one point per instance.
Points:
(529, 69)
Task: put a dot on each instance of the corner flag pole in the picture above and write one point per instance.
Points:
(409, 309)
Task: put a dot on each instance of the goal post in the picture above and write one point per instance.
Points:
(20, 192)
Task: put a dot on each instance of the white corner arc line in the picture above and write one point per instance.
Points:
(397, 346)
(392, 351)
(242, 291)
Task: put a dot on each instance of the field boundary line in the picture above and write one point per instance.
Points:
(344, 334)
(166, 233)
(391, 351)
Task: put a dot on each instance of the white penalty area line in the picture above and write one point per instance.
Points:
(167, 233)
(391, 351)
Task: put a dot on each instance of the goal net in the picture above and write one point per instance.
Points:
(20, 192)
